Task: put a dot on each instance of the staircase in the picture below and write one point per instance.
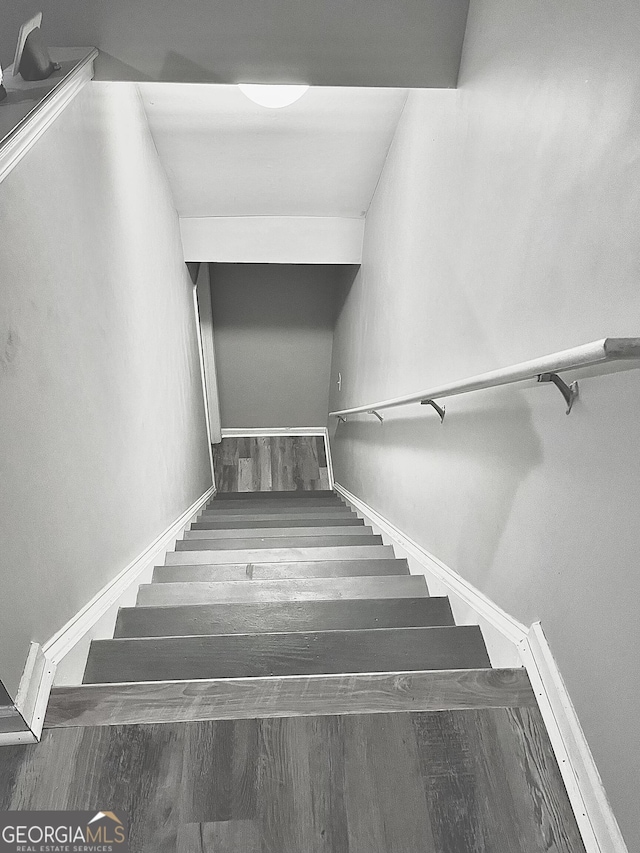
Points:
(287, 636)
(269, 586)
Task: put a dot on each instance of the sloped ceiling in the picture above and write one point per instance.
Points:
(320, 42)
(226, 156)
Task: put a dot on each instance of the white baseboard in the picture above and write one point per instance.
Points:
(17, 738)
(42, 661)
(510, 643)
(595, 818)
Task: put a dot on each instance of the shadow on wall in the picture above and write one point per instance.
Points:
(482, 455)
(343, 287)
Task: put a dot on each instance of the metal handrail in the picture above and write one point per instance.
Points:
(545, 369)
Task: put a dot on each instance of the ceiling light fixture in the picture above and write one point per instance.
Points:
(273, 97)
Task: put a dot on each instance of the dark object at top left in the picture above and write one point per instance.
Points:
(35, 63)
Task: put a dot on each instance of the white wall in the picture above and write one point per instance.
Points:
(272, 239)
(505, 226)
(101, 406)
(273, 332)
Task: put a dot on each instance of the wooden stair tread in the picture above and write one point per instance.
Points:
(295, 589)
(272, 571)
(326, 529)
(278, 521)
(308, 653)
(257, 503)
(298, 494)
(250, 698)
(284, 555)
(281, 617)
(319, 541)
(297, 511)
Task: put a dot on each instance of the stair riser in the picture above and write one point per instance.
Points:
(277, 542)
(262, 533)
(263, 524)
(280, 555)
(274, 617)
(261, 655)
(298, 589)
(249, 505)
(224, 515)
(216, 574)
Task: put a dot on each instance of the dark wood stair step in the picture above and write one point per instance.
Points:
(319, 541)
(288, 696)
(261, 655)
(272, 571)
(259, 503)
(280, 555)
(280, 617)
(287, 521)
(268, 513)
(269, 532)
(294, 589)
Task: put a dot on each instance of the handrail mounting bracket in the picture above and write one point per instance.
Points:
(569, 392)
(342, 419)
(439, 409)
(377, 414)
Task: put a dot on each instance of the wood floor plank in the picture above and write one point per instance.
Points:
(267, 532)
(471, 761)
(228, 699)
(279, 463)
(359, 537)
(245, 475)
(275, 616)
(284, 555)
(382, 780)
(301, 653)
(274, 571)
(219, 771)
(107, 762)
(294, 589)
(265, 477)
(276, 521)
(288, 787)
(382, 769)
(222, 836)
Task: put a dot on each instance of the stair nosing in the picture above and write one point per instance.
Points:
(261, 634)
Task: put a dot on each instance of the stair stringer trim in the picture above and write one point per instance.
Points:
(40, 669)
(512, 644)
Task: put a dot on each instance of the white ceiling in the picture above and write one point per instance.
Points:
(226, 156)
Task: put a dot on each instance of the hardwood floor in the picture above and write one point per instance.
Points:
(274, 463)
(471, 781)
